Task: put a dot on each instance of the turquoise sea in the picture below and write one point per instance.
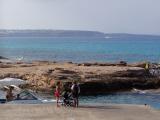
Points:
(81, 49)
(88, 50)
(152, 99)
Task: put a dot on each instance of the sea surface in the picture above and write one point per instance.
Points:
(88, 50)
(151, 99)
(80, 49)
(142, 98)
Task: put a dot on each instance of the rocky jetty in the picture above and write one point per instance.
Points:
(1, 57)
(94, 78)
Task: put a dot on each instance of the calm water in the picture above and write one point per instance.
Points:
(88, 49)
(80, 49)
(151, 99)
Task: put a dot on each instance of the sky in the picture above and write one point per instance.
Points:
(109, 16)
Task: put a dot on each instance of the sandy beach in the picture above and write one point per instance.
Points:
(94, 78)
(84, 112)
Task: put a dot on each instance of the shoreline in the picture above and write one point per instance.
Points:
(21, 59)
(51, 112)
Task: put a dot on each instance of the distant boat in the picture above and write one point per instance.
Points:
(107, 37)
(27, 97)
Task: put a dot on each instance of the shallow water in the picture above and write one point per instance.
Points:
(152, 99)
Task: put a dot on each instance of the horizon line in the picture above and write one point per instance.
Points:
(45, 29)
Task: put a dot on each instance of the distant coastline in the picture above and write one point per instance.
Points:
(69, 33)
(50, 33)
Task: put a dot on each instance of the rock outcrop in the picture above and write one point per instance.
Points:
(94, 78)
(1, 57)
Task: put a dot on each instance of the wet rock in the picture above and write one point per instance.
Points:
(2, 65)
(1, 57)
(57, 68)
(67, 71)
(106, 64)
(87, 64)
(130, 73)
(139, 64)
(97, 64)
(70, 62)
(122, 63)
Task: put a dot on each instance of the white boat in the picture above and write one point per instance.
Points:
(27, 97)
(11, 81)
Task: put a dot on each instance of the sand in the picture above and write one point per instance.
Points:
(84, 112)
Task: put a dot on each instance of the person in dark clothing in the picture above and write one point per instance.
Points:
(9, 94)
(75, 89)
(67, 99)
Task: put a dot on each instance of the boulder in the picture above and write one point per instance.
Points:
(1, 57)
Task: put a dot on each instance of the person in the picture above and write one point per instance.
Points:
(52, 82)
(57, 93)
(67, 101)
(9, 94)
(147, 68)
(75, 89)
